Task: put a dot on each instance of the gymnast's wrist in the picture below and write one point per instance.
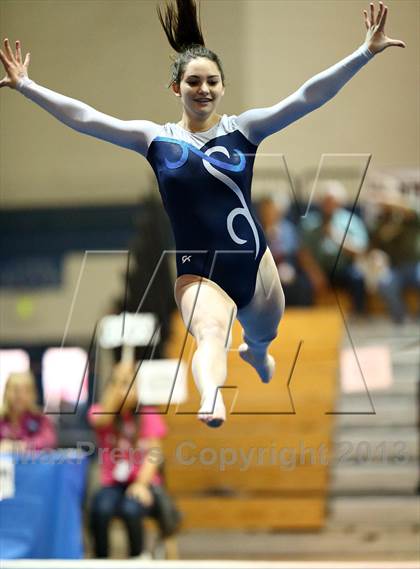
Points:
(366, 50)
(23, 82)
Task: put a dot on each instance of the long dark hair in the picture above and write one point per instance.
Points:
(183, 30)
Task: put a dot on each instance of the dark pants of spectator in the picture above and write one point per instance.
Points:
(352, 280)
(300, 292)
(110, 502)
(392, 288)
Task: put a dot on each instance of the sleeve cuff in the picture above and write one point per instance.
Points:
(364, 50)
(23, 82)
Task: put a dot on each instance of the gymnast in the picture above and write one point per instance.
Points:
(203, 164)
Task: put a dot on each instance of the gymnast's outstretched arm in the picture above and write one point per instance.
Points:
(257, 124)
(133, 134)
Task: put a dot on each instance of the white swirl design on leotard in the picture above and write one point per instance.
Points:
(244, 210)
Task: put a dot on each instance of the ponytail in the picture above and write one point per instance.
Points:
(180, 25)
(183, 30)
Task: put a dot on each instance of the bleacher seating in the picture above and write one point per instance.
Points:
(290, 415)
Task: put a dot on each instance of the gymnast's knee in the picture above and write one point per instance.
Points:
(260, 336)
(276, 311)
(211, 329)
(260, 343)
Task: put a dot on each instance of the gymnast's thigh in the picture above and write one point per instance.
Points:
(203, 304)
(267, 305)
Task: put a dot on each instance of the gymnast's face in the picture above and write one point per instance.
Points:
(201, 88)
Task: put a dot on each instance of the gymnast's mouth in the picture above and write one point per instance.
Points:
(203, 100)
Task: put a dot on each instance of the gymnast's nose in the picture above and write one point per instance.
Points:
(203, 89)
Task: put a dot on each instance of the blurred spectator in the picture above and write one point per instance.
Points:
(297, 277)
(336, 238)
(395, 233)
(129, 453)
(23, 426)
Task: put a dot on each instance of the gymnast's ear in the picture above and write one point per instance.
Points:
(176, 88)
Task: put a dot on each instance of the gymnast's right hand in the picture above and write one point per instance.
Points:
(13, 65)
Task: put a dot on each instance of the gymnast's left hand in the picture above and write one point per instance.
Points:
(376, 39)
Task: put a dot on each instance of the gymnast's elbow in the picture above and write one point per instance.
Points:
(81, 119)
(312, 98)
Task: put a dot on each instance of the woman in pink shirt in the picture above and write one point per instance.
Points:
(23, 426)
(129, 455)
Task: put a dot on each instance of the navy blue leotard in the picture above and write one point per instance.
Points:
(206, 191)
(205, 177)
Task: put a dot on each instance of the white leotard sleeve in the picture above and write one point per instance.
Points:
(133, 134)
(257, 124)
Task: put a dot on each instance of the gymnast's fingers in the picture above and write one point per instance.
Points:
(27, 61)
(4, 60)
(18, 52)
(378, 17)
(9, 51)
(397, 43)
(4, 82)
(366, 19)
(372, 14)
(383, 19)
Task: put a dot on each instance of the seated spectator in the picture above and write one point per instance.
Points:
(23, 426)
(129, 454)
(336, 238)
(297, 278)
(395, 232)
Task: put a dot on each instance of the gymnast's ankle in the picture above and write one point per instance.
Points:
(261, 361)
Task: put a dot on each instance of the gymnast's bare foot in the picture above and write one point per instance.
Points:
(212, 411)
(263, 363)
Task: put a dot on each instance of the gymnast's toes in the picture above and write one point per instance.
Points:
(270, 368)
(212, 413)
(213, 420)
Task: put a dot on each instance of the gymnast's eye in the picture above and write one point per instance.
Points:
(194, 82)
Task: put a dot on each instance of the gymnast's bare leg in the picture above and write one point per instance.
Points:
(208, 313)
(261, 317)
